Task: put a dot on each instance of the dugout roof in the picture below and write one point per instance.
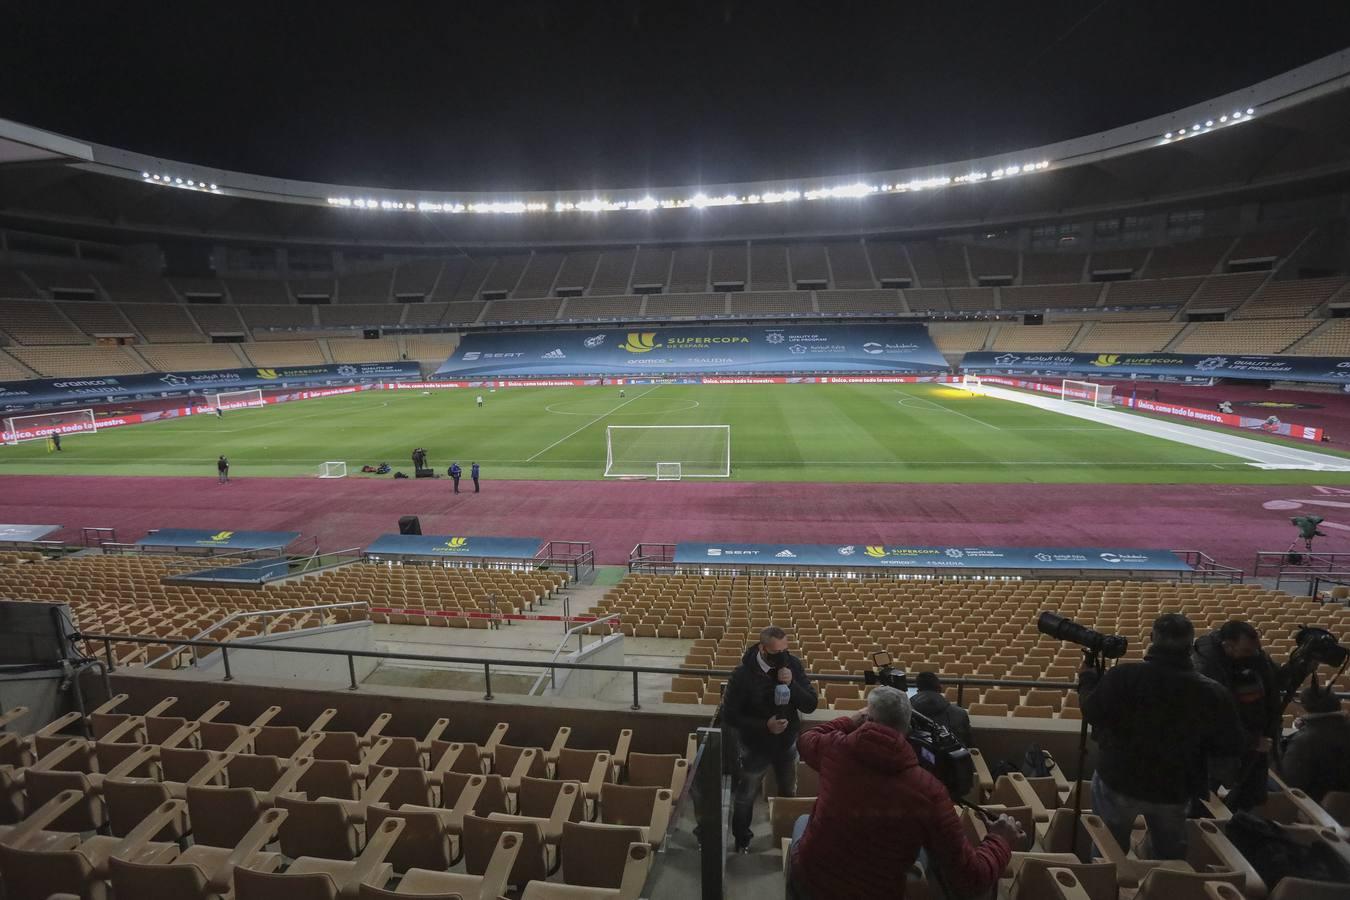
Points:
(1280, 137)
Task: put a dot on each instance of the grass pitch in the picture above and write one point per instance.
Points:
(862, 433)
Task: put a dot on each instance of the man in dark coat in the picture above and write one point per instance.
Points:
(1232, 656)
(762, 705)
(455, 473)
(222, 470)
(1157, 723)
(1316, 756)
(877, 807)
(473, 473)
(929, 701)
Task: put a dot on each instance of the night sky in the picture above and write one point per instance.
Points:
(539, 94)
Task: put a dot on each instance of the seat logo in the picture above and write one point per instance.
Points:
(640, 342)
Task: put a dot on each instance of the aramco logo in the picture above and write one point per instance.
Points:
(640, 342)
(267, 373)
(456, 543)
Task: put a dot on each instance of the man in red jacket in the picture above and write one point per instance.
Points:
(876, 808)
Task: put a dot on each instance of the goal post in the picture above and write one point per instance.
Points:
(332, 470)
(972, 383)
(668, 452)
(1086, 391)
(236, 399)
(39, 426)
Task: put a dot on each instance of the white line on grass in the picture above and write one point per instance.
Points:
(590, 423)
(949, 410)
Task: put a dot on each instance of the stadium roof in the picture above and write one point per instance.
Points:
(1284, 135)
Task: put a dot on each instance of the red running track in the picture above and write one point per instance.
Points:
(1230, 522)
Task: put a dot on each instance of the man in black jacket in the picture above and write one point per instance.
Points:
(1157, 722)
(1316, 756)
(763, 700)
(930, 701)
(1233, 657)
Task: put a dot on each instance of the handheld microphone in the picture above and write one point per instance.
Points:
(781, 695)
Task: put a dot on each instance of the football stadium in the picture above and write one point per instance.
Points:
(972, 524)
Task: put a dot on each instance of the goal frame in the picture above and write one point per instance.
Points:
(9, 432)
(611, 472)
(326, 472)
(972, 383)
(1091, 388)
(214, 401)
(668, 475)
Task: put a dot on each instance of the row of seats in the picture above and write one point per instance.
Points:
(127, 595)
(183, 807)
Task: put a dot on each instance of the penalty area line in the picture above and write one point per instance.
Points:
(590, 423)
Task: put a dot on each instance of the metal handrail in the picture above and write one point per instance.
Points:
(235, 616)
(305, 569)
(487, 664)
(579, 631)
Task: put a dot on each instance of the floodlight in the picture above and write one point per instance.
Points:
(178, 181)
(1209, 123)
(1238, 114)
(1250, 110)
(145, 174)
(1223, 118)
(1168, 136)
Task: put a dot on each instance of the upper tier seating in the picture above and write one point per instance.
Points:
(360, 315)
(1168, 291)
(1052, 268)
(1034, 337)
(313, 287)
(37, 322)
(808, 264)
(1333, 340)
(162, 322)
(1225, 292)
(451, 278)
(97, 318)
(1264, 336)
(769, 268)
(873, 301)
(1199, 257)
(78, 362)
(771, 304)
(890, 263)
(992, 262)
(433, 347)
(475, 271)
(417, 277)
(53, 279)
(191, 357)
(505, 274)
(366, 287)
(13, 286)
(1122, 337)
(11, 370)
(689, 269)
(463, 313)
(659, 305)
(927, 269)
(849, 266)
(959, 337)
(577, 272)
(1273, 245)
(543, 309)
(204, 287)
(1289, 299)
(217, 319)
(651, 267)
(424, 314)
(728, 266)
(601, 307)
(271, 354)
(356, 350)
(257, 290)
(1128, 260)
(613, 272)
(279, 316)
(135, 286)
(1051, 296)
(539, 275)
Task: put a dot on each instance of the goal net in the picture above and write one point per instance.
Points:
(332, 470)
(37, 427)
(1086, 391)
(668, 452)
(236, 399)
(972, 383)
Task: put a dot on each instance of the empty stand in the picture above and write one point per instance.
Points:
(767, 303)
(257, 290)
(313, 288)
(1332, 339)
(135, 286)
(97, 318)
(873, 301)
(601, 307)
(38, 322)
(1034, 337)
(356, 350)
(651, 269)
(1199, 257)
(1133, 337)
(504, 275)
(79, 362)
(12, 370)
(475, 272)
(1289, 299)
(360, 316)
(50, 280)
(1163, 292)
(271, 354)
(1050, 296)
(849, 266)
(423, 314)
(163, 322)
(993, 263)
(1052, 268)
(435, 347)
(809, 266)
(1225, 292)
(686, 305)
(959, 337)
(190, 357)
(13, 286)
(539, 275)
(891, 265)
(366, 287)
(452, 276)
(417, 277)
(971, 299)
(1264, 336)
(768, 268)
(577, 272)
(278, 316)
(689, 269)
(463, 313)
(614, 271)
(1271, 246)
(728, 267)
(543, 309)
(1118, 261)
(216, 318)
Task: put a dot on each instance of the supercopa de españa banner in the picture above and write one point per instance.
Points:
(1126, 365)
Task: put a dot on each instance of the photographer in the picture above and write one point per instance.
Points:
(1316, 756)
(761, 705)
(930, 701)
(1232, 656)
(1157, 722)
(877, 808)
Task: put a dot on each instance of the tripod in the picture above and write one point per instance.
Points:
(1091, 659)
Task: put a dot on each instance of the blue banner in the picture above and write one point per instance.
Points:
(1127, 365)
(21, 394)
(23, 534)
(653, 351)
(256, 571)
(473, 546)
(856, 556)
(222, 540)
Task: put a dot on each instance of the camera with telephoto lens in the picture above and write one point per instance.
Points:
(1094, 643)
(1317, 645)
(937, 749)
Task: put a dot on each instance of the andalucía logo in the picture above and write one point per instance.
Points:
(640, 342)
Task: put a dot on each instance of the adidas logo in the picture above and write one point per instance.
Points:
(555, 353)
(785, 554)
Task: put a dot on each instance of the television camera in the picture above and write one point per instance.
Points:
(936, 747)
(1097, 647)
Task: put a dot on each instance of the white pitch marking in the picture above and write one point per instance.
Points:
(589, 424)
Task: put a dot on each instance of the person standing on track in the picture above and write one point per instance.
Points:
(56, 441)
(455, 472)
(473, 473)
(480, 401)
(222, 470)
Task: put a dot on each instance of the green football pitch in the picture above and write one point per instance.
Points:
(864, 433)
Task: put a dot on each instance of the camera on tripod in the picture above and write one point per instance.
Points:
(937, 748)
(1096, 646)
